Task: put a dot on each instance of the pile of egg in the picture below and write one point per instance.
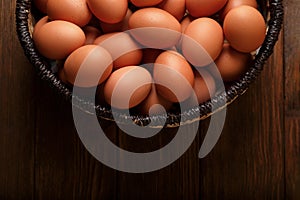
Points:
(91, 33)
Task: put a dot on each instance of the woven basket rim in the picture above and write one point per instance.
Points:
(200, 112)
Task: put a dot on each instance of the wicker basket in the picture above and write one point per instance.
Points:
(272, 10)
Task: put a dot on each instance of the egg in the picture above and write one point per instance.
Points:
(154, 103)
(155, 28)
(124, 50)
(231, 63)
(75, 11)
(173, 76)
(204, 86)
(94, 63)
(244, 28)
(235, 3)
(91, 33)
(41, 5)
(109, 11)
(145, 3)
(40, 23)
(121, 26)
(202, 41)
(57, 39)
(204, 8)
(127, 87)
(184, 23)
(174, 7)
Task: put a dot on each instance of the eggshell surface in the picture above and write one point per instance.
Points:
(40, 23)
(174, 7)
(124, 50)
(145, 3)
(116, 27)
(127, 87)
(231, 63)
(235, 3)
(75, 11)
(155, 28)
(204, 86)
(203, 41)
(173, 76)
(244, 28)
(93, 62)
(204, 8)
(109, 11)
(154, 103)
(57, 39)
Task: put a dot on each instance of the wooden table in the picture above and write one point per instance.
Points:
(257, 156)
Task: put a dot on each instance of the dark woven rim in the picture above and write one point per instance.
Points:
(172, 120)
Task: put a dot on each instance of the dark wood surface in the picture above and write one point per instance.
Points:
(257, 156)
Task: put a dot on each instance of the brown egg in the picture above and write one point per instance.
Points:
(40, 23)
(41, 5)
(174, 7)
(123, 49)
(109, 11)
(204, 86)
(203, 41)
(75, 11)
(235, 3)
(153, 103)
(184, 23)
(94, 63)
(127, 87)
(204, 8)
(145, 3)
(155, 28)
(57, 39)
(118, 27)
(91, 33)
(244, 28)
(231, 63)
(173, 76)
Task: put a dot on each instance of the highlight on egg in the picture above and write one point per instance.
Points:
(88, 66)
(123, 49)
(202, 41)
(127, 87)
(58, 38)
(173, 76)
(155, 28)
(244, 37)
(75, 11)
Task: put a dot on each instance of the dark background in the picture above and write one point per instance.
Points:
(257, 156)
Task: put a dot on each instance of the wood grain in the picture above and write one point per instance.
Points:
(292, 56)
(64, 169)
(17, 112)
(180, 180)
(292, 98)
(292, 155)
